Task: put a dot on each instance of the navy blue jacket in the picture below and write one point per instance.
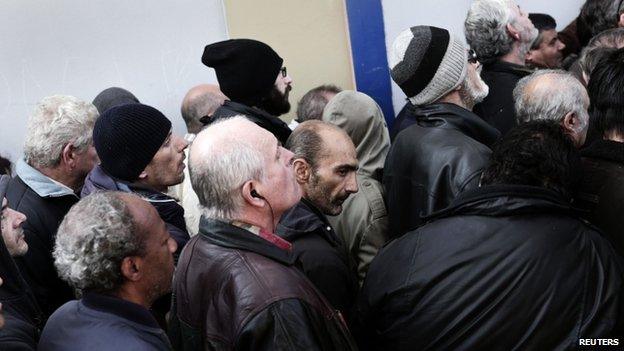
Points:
(102, 323)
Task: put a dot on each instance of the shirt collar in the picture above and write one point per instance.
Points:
(41, 184)
(119, 307)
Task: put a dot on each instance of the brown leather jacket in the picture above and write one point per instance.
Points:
(234, 290)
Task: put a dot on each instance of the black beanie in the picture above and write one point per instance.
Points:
(127, 137)
(246, 69)
(112, 97)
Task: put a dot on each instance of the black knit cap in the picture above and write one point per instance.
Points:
(246, 69)
(127, 137)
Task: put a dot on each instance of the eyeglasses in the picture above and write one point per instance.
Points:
(472, 56)
(284, 72)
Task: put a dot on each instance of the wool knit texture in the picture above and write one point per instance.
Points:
(427, 63)
(127, 137)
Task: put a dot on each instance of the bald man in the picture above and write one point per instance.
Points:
(557, 96)
(199, 103)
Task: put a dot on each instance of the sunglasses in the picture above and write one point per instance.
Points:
(284, 72)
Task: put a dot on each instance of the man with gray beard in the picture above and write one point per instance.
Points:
(442, 146)
(501, 34)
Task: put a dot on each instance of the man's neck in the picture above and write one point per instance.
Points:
(57, 174)
(515, 56)
(614, 136)
(131, 293)
(454, 98)
(160, 188)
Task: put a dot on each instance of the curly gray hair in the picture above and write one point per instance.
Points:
(486, 28)
(57, 121)
(93, 239)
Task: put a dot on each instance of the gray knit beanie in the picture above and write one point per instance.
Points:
(427, 63)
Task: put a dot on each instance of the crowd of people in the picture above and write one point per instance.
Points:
(488, 217)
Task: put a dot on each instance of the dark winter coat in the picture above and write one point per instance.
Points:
(271, 123)
(102, 323)
(601, 193)
(234, 290)
(503, 268)
(45, 203)
(430, 162)
(322, 254)
(168, 208)
(498, 107)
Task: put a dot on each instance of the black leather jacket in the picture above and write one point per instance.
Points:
(440, 155)
(503, 268)
(234, 290)
(269, 122)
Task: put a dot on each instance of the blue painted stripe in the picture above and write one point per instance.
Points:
(368, 49)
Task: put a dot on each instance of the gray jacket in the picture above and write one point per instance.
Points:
(363, 223)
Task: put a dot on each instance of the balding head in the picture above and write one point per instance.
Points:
(553, 95)
(233, 163)
(202, 100)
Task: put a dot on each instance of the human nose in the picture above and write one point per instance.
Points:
(561, 45)
(182, 143)
(18, 217)
(352, 186)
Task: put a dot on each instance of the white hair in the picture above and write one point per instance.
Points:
(486, 28)
(57, 121)
(226, 163)
(93, 239)
(552, 101)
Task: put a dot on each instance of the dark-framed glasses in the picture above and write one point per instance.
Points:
(472, 56)
(284, 72)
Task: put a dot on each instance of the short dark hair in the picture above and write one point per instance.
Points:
(542, 22)
(536, 153)
(5, 166)
(597, 16)
(306, 142)
(313, 103)
(605, 88)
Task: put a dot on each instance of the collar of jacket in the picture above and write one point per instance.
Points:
(305, 218)
(451, 116)
(507, 67)
(605, 149)
(506, 200)
(227, 235)
(119, 307)
(102, 180)
(41, 184)
(260, 117)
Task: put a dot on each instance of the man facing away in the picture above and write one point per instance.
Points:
(237, 285)
(508, 266)
(325, 163)
(443, 146)
(114, 247)
(252, 75)
(58, 154)
(501, 34)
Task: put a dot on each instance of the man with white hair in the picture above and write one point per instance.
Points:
(501, 34)
(442, 146)
(237, 284)
(557, 96)
(58, 154)
(114, 247)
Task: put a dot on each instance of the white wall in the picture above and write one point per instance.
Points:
(450, 14)
(151, 47)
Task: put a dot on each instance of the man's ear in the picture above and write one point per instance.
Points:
(570, 122)
(621, 20)
(513, 32)
(131, 268)
(251, 194)
(68, 156)
(302, 170)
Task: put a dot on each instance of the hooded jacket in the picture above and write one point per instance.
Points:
(442, 154)
(503, 268)
(363, 223)
(45, 202)
(22, 315)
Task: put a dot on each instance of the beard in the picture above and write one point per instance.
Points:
(276, 103)
(320, 194)
(473, 90)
